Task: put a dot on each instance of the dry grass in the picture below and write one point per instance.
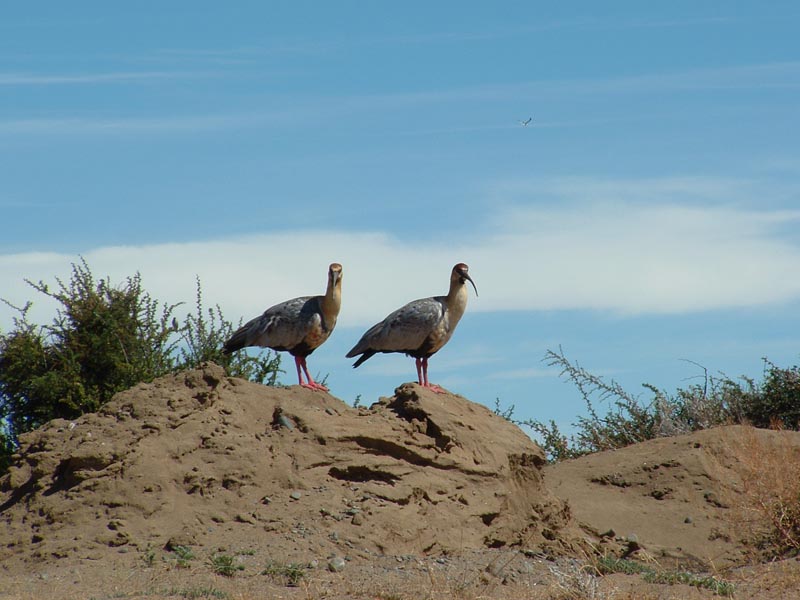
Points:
(765, 510)
(772, 580)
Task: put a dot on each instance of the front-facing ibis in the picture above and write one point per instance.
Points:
(298, 326)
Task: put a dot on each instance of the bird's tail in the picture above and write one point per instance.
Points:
(237, 341)
(367, 355)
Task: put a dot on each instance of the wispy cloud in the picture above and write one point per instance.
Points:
(623, 257)
(43, 79)
(94, 126)
(319, 106)
(512, 31)
(765, 76)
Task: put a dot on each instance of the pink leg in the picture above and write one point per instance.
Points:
(300, 363)
(422, 373)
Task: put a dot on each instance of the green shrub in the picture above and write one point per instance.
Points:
(204, 334)
(104, 339)
(778, 403)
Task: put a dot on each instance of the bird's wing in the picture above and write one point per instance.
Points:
(404, 329)
(284, 325)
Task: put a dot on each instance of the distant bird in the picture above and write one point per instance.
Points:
(420, 328)
(297, 326)
(525, 123)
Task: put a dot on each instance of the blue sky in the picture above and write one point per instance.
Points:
(648, 214)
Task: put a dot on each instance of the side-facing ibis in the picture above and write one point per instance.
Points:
(420, 328)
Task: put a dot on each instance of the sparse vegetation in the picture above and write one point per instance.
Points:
(195, 593)
(573, 581)
(766, 510)
(629, 420)
(608, 564)
(289, 574)
(149, 556)
(104, 339)
(225, 564)
(183, 554)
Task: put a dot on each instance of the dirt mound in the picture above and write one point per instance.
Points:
(674, 498)
(420, 495)
(202, 460)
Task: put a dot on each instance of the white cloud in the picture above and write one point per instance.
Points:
(625, 257)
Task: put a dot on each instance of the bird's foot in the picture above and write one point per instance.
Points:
(314, 386)
(434, 388)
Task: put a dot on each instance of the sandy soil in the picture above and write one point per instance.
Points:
(420, 495)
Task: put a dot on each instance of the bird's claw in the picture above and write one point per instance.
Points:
(434, 388)
(314, 386)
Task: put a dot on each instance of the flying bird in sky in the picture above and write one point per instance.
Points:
(525, 123)
(420, 328)
(298, 326)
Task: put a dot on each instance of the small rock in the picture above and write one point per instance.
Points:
(496, 568)
(336, 564)
(295, 495)
(633, 544)
(183, 539)
(688, 520)
(245, 518)
(358, 519)
(608, 534)
(286, 422)
(330, 411)
(713, 498)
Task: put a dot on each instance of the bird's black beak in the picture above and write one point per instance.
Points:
(335, 275)
(465, 276)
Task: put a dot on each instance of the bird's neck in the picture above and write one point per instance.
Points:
(331, 303)
(457, 299)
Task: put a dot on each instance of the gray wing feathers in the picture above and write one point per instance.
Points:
(282, 326)
(404, 329)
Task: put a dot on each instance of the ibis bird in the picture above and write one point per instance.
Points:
(298, 326)
(420, 328)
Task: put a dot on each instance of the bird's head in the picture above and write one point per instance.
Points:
(335, 275)
(461, 272)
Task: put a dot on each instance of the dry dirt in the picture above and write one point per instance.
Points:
(422, 495)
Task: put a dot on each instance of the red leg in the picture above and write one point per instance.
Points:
(300, 362)
(422, 371)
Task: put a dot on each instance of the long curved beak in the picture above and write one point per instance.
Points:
(468, 278)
